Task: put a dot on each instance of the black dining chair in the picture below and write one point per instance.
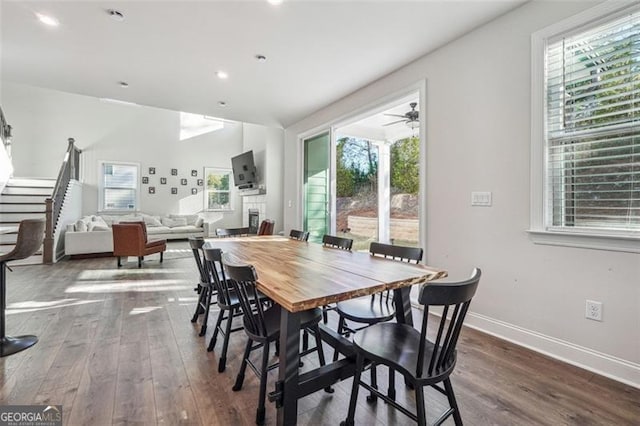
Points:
(28, 242)
(338, 243)
(262, 327)
(231, 232)
(205, 288)
(299, 235)
(422, 361)
(376, 308)
(228, 303)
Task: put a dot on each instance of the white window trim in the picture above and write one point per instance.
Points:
(218, 170)
(101, 208)
(538, 231)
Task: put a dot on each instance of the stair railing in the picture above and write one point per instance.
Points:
(70, 169)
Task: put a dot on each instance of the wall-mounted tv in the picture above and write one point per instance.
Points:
(244, 170)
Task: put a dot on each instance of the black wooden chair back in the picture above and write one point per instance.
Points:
(337, 242)
(216, 275)
(243, 279)
(299, 235)
(454, 297)
(405, 254)
(196, 244)
(231, 232)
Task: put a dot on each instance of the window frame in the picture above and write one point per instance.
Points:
(220, 171)
(101, 187)
(540, 231)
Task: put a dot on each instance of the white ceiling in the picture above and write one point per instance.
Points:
(168, 51)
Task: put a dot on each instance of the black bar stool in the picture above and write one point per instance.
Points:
(30, 237)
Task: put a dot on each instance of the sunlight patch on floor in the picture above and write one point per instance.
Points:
(144, 310)
(129, 286)
(34, 306)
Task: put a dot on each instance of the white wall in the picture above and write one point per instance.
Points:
(43, 119)
(478, 139)
(267, 144)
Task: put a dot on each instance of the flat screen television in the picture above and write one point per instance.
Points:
(244, 170)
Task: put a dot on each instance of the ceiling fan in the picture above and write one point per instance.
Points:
(410, 118)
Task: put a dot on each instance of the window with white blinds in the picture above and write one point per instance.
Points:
(592, 81)
(119, 186)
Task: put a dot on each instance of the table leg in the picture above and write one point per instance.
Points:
(402, 300)
(288, 370)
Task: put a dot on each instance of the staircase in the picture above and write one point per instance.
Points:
(22, 198)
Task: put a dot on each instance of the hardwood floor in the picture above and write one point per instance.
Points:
(116, 347)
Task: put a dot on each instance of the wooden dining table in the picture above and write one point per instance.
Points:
(303, 275)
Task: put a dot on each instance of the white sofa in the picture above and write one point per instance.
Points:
(92, 234)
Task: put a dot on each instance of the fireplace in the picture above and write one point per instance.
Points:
(254, 220)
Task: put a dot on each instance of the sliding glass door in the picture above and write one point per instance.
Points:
(316, 178)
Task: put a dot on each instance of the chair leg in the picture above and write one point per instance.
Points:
(305, 340)
(208, 293)
(340, 327)
(119, 262)
(457, 418)
(421, 413)
(371, 398)
(198, 311)
(350, 421)
(325, 316)
(243, 367)
(225, 344)
(316, 332)
(212, 342)
(161, 256)
(263, 384)
(391, 392)
(140, 261)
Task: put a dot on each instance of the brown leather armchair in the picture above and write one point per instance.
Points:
(130, 239)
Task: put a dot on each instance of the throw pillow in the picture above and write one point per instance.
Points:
(179, 221)
(81, 226)
(97, 226)
(199, 222)
(152, 220)
(190, 218)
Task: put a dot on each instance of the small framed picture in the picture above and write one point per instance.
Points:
(145, 179)
(152, 170)
(194, 173)
(163, 181)
(152, 190)
(183, 181)
(194, 191)
(174, 191)
(200, 182)
(174, 172)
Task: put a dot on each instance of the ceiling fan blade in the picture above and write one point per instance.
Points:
(393, 122)
(396, 115)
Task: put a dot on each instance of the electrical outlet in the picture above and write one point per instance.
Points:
(594, 310)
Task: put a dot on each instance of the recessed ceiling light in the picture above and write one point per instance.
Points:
(116, 15)
(222, 104)
(222, 74)
(261, 58)
(123, 84)
(275, 2)
(47, 20)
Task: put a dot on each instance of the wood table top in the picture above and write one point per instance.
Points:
(301, 275)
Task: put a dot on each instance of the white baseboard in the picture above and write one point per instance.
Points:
(606, 365)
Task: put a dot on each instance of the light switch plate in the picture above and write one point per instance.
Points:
(481, 199)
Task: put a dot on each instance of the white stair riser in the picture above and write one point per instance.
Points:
(35, 207)
(7, 239)
(49, 183)
(10, 190)
(8, 198)
(18, 216)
